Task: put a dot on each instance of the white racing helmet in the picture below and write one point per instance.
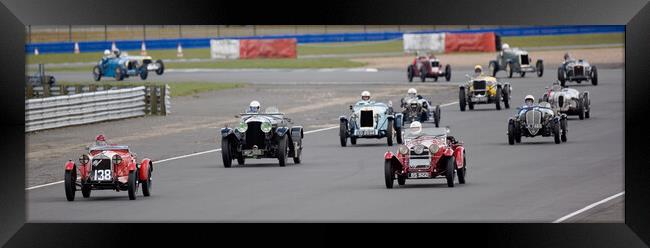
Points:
(254, 107)
(505, 46)
(412, 92)
(107, 52)
(365, 95)
(529, 100)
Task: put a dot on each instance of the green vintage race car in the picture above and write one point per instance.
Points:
(514, 60)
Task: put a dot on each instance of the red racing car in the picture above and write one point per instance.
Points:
(427, 153)
(108, 167)
(427, 67)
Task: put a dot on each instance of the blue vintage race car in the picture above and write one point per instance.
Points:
(119, 67)
(370, 119)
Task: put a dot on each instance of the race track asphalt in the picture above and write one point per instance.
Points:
(535, 181)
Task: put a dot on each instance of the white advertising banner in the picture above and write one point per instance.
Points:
(224, 49)
(434, 42)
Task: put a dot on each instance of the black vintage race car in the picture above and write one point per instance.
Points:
(572, 70)
(262, 135)
(537, 120)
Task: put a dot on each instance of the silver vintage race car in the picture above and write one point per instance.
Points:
(577, 71)
(568, 101)
(419, 109)
(156, 66)
(370, 119)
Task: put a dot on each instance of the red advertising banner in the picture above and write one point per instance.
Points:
(478, 42)
(270, 48)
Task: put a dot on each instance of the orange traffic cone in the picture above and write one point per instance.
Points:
(179, 50)
(113, 47)
(35, 51)
(143, 49)
(76, 47)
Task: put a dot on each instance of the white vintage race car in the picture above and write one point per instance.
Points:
(158, 66)
(568, 101)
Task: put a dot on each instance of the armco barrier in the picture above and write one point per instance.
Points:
(96, 46)
(61, 111)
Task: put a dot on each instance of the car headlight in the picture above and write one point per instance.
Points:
(266, 127)
(419, 149)
(433, 148)
(403, 149)
(84, 159)
(117, 159)
(242, 127)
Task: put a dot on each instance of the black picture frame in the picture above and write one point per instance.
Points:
(16, 14)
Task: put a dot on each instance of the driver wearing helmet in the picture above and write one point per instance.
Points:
(100, 140)
(478, 71)
(505, 46)
(254, 107)
(117, 53)
(365, 97)
(567, 57)
(529, 101)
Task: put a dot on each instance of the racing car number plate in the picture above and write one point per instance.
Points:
(419, 175)
(253, 152)
(367, 132)
(419, 162)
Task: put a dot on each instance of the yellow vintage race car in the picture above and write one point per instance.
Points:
(484, 90)
(158, 66)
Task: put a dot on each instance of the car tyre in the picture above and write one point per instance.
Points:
(119, 74)
(539, 65)
(556, 133)
(462, 172)
(389, 175)
(423, 74)
(449, 174)
(70, 183)
(226, 154)
(282, 151)
(561, 76)
(447, 73)
(161, 67)
(462, 99)
(132, 185)
(511, 133)
(498, 97)
(509, 69)
(389, 133)
(97, 73)
(85, 190)
(146, 185)
(343, 130)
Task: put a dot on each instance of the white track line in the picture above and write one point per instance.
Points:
(588, 207)
(204, 152)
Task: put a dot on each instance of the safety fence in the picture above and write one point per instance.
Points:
(55, 107)
(95, 46)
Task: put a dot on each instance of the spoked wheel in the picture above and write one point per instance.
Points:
(132, 185)
(97, 73)
(70, 183)
(161, 67)
(389, 175)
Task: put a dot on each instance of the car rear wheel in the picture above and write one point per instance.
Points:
(581, 109)
(447, 73)
(410, 73)
(70, 183)
(506, 98)
(146, 185)
(97, 73)
(144, 73)
(522, 74)
(594, 76)
(437, 116)
(132, 185)
(563, 127)
(297, 156)
(556, 133)
(423, 74)
(492, 68)
(389, 133)
(398, 135)
(561, 76)
(119, 74)
(462, 99)
(498, 97)
(389, 175)
(517, 133)
(539, 65)
(282, 151)
(161, 67)
(509, 69)
(226, 154)
(449, 174)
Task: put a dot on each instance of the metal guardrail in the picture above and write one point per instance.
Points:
(157, 97)
(97, 106)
